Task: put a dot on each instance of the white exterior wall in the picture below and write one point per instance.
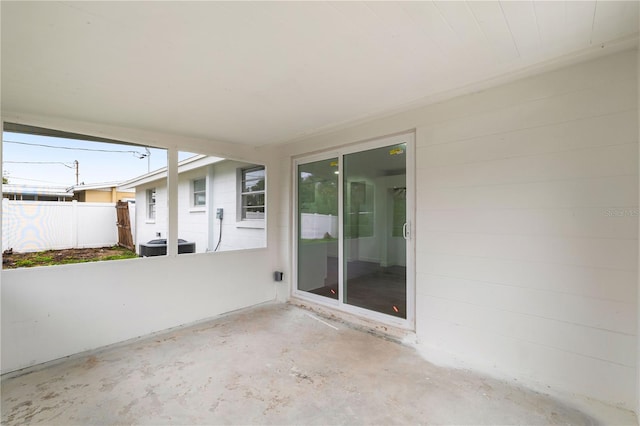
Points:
(200, 225)
(193, 221)
(236, 234)
(148, 229)
(526, 227)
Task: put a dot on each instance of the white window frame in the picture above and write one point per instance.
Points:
(151, 201)
(194, 193)
(241, 219)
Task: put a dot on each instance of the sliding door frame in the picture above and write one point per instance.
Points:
(340, 304)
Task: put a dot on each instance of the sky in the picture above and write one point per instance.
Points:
(28, 164)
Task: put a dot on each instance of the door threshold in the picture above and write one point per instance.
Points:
(386, 331)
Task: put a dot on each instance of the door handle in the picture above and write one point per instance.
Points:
(406, 234)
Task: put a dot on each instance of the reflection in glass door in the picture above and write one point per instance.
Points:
(375, 255)
(318, 228)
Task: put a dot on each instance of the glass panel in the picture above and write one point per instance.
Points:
(200, 199)
(254, 213)
(359, 218)
(199, 185)
(374, 217)
(151, 202)
(253, 180)
(318, 228)
(399, 211)
(253, 200)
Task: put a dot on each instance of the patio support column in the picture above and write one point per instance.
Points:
(172, 201)
(637, 408)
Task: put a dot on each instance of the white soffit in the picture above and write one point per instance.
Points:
(267, 72)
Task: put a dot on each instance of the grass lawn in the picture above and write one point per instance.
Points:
(64, 257)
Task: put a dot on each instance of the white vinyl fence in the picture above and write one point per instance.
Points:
(316, 226)
(29, 226)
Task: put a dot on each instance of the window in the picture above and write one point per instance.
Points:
(199, 192)
(44, 170)
(252, 195)
(151, 204)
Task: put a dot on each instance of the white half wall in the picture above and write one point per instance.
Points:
(526, 227)
(56, 311)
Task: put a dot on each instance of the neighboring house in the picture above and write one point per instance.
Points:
(93, 193)
(206, 185)
(36, 192)
(109, 192)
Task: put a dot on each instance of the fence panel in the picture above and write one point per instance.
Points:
(125, 237)
(96, 225)
(29, 226)
(316, 226)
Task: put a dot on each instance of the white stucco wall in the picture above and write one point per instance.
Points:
(56, 311)
(526, 234)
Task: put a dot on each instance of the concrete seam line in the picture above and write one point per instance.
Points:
(324, 322)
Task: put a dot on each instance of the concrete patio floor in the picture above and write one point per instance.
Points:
(273, 364)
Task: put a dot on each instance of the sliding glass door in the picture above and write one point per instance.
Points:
(375, 255)
(318, 228)
(353, 246)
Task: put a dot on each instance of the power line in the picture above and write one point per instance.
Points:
(69, 165)
(136, 153)
(32, 180)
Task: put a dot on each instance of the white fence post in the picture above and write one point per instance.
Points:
(6, 216)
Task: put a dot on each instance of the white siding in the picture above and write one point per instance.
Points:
(200, 225)
(193, 222)
(235, 234)
(526, 227)
(146, 229)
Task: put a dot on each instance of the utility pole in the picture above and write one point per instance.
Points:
(77, 164)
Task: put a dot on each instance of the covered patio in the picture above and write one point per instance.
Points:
(474, 164)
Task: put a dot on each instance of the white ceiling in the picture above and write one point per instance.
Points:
(268, 72)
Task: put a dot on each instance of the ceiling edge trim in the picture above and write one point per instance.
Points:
(136, 136)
